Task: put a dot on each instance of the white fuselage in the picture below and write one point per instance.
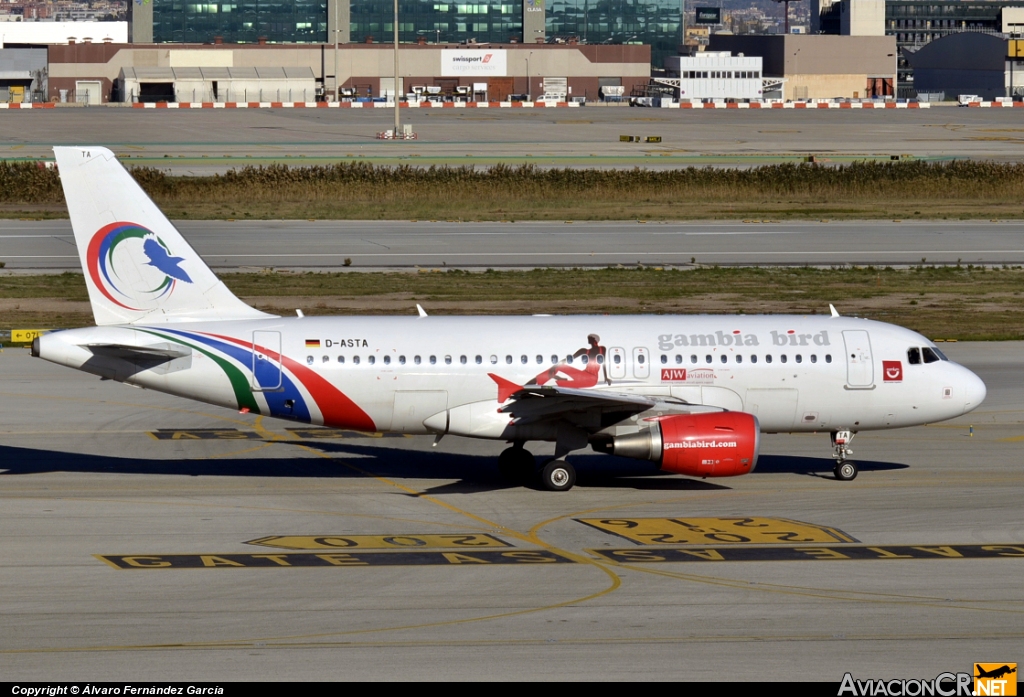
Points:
(794, 373)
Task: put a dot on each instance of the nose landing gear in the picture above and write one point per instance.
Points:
(844, 470)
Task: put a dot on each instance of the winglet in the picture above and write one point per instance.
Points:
(420, 310)
(833, 310)
(506, 388)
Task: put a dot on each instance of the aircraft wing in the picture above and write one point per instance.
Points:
(529, 404)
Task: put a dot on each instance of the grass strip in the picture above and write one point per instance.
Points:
(355, 190)
(942, 302)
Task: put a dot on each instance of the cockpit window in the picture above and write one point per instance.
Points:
(929, 355)
(939, 353)
(914, 356)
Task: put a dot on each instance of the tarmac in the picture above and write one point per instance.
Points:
(373, 245)
(148, 538)
(204, 141)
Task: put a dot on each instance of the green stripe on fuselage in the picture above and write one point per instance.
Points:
(239, 383)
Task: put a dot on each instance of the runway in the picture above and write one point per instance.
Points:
(371, 245)
(101, 486)
(204, 141)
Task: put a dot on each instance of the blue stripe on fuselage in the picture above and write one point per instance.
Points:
(266, 377)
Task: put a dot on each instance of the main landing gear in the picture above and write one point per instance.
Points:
(557, 475)
(518, 465)
(845, 470)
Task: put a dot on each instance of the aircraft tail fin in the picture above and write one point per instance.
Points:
(138, 267)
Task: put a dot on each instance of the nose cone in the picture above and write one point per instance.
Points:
(974, 392)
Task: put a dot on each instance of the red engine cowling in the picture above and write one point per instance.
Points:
(721, 444)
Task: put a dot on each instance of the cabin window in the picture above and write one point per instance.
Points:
(641, 359)
(447, 360)
(479, 360)
(753, 358)
(494, 359)
(914, 356)
(524, 359)
(664, 359)
(371, 360)
(617, 359)
(585, 359)
(600, 359)
(693, 358)
(433, 360)
(799, 358)
(554, 359)
(508, 360)
(325, 359)
(309, 360)
(828, 357)
(768, 358)
(707, 358)
(355, 360)
(679, 358)
(341, 359)
(417, 360)
(739, 358)
(463, 360)
(387, 360)
(725, 358)
(568, 359)
(540, 359)
(783, 358)
(814, 358)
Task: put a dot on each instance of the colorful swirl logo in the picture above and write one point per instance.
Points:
(102, 268)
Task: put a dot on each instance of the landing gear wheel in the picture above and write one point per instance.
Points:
(845, 471)
(517, 464)
(557, 475)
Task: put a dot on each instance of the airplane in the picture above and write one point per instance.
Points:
(691, 393)
(996, 672)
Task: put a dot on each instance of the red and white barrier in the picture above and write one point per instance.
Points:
(795, 105)
(28, 105)
(994, 105)
(349, 105)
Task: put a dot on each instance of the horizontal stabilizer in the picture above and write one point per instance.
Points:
(158, 352)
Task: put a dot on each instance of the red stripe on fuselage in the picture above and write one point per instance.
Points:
(338, 410)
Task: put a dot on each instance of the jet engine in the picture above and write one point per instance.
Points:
(718, 444)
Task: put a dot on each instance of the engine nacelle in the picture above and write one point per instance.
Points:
(718, 444)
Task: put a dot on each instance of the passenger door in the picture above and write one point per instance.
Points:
(860, 369)
(266, 361)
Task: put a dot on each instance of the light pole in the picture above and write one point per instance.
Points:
(337, 90)
(396, 70)
(528, 89)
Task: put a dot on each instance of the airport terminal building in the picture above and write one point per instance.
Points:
(656, 23)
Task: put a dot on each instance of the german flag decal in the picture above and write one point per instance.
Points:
(312, 343)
